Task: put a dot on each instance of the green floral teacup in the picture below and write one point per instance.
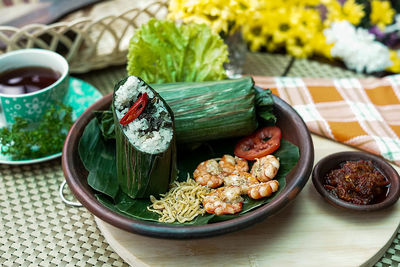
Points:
(33, 105)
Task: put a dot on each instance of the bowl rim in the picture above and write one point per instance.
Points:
(381, 164)
(168, 231)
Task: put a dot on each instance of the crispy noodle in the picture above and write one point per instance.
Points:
(182, 203)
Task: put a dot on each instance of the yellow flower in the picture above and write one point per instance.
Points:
(381, 13)
(350, 11)
(320, 46)
(395, 58)
(293, 25)
(290, 24)
(353, 12)
(220, 15)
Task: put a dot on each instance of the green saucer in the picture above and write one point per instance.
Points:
(80, 96)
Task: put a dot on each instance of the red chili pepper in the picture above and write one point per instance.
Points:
(135, 110)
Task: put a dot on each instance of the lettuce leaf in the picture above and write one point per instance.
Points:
(163, 52)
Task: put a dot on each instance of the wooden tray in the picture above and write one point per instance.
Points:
(309, 232)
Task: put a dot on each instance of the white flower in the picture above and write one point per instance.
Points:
(357, 48)
(35, 106)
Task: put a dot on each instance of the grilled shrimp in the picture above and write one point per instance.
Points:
(229, 164)
(265, 168)
(260, 190)
(224, 200)
(209, 173)
(241, 179)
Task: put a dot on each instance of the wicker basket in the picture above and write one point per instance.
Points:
(86, 43)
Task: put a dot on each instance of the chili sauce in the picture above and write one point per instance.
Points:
(358, 182)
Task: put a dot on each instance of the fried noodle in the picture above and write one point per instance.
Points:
(182, 203)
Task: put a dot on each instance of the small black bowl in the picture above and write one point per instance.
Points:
(333, 161)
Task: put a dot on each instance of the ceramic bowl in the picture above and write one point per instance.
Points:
(293, 129)
(333, 161)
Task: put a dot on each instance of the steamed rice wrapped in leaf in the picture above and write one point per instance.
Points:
(211, 110)
(145, 139)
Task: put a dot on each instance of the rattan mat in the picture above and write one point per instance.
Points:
(38, 229)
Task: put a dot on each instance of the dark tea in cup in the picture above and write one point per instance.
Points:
(27, 80)
(30, 81)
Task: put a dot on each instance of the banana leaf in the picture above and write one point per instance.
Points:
(106, 121)
(211, 110)
(141, 174)
(187, 161)
(100, 164)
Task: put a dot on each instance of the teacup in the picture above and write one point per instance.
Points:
(33, 105)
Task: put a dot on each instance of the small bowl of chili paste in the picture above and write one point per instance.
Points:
(357, 181)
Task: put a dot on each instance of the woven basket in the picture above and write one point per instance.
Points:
(86, 43)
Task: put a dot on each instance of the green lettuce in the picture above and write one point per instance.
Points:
(162, 52)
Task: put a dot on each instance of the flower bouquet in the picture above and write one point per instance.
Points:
(364, 35)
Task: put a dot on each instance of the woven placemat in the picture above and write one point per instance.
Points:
(38, 229)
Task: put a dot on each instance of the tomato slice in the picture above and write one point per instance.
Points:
(261, 143)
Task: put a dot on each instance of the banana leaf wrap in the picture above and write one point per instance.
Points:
(211, 110)
(141, 174)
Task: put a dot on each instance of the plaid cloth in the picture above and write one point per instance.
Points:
(360, 112)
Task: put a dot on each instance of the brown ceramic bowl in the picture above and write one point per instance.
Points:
(293, 129)
(333, 161)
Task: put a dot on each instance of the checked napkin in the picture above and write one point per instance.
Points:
(360, 112)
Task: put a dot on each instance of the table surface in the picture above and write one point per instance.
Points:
(37, 228)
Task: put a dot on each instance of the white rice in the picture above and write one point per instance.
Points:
(152, 142)
(130, 89)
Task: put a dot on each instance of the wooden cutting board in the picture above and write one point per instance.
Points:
(308, 232)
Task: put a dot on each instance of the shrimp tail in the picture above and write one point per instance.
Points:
(262, 190)
(223, 200)
(265, 168)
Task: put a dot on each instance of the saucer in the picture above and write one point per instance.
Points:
(80, 96)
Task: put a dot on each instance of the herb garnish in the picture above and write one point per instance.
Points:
(22, 141)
